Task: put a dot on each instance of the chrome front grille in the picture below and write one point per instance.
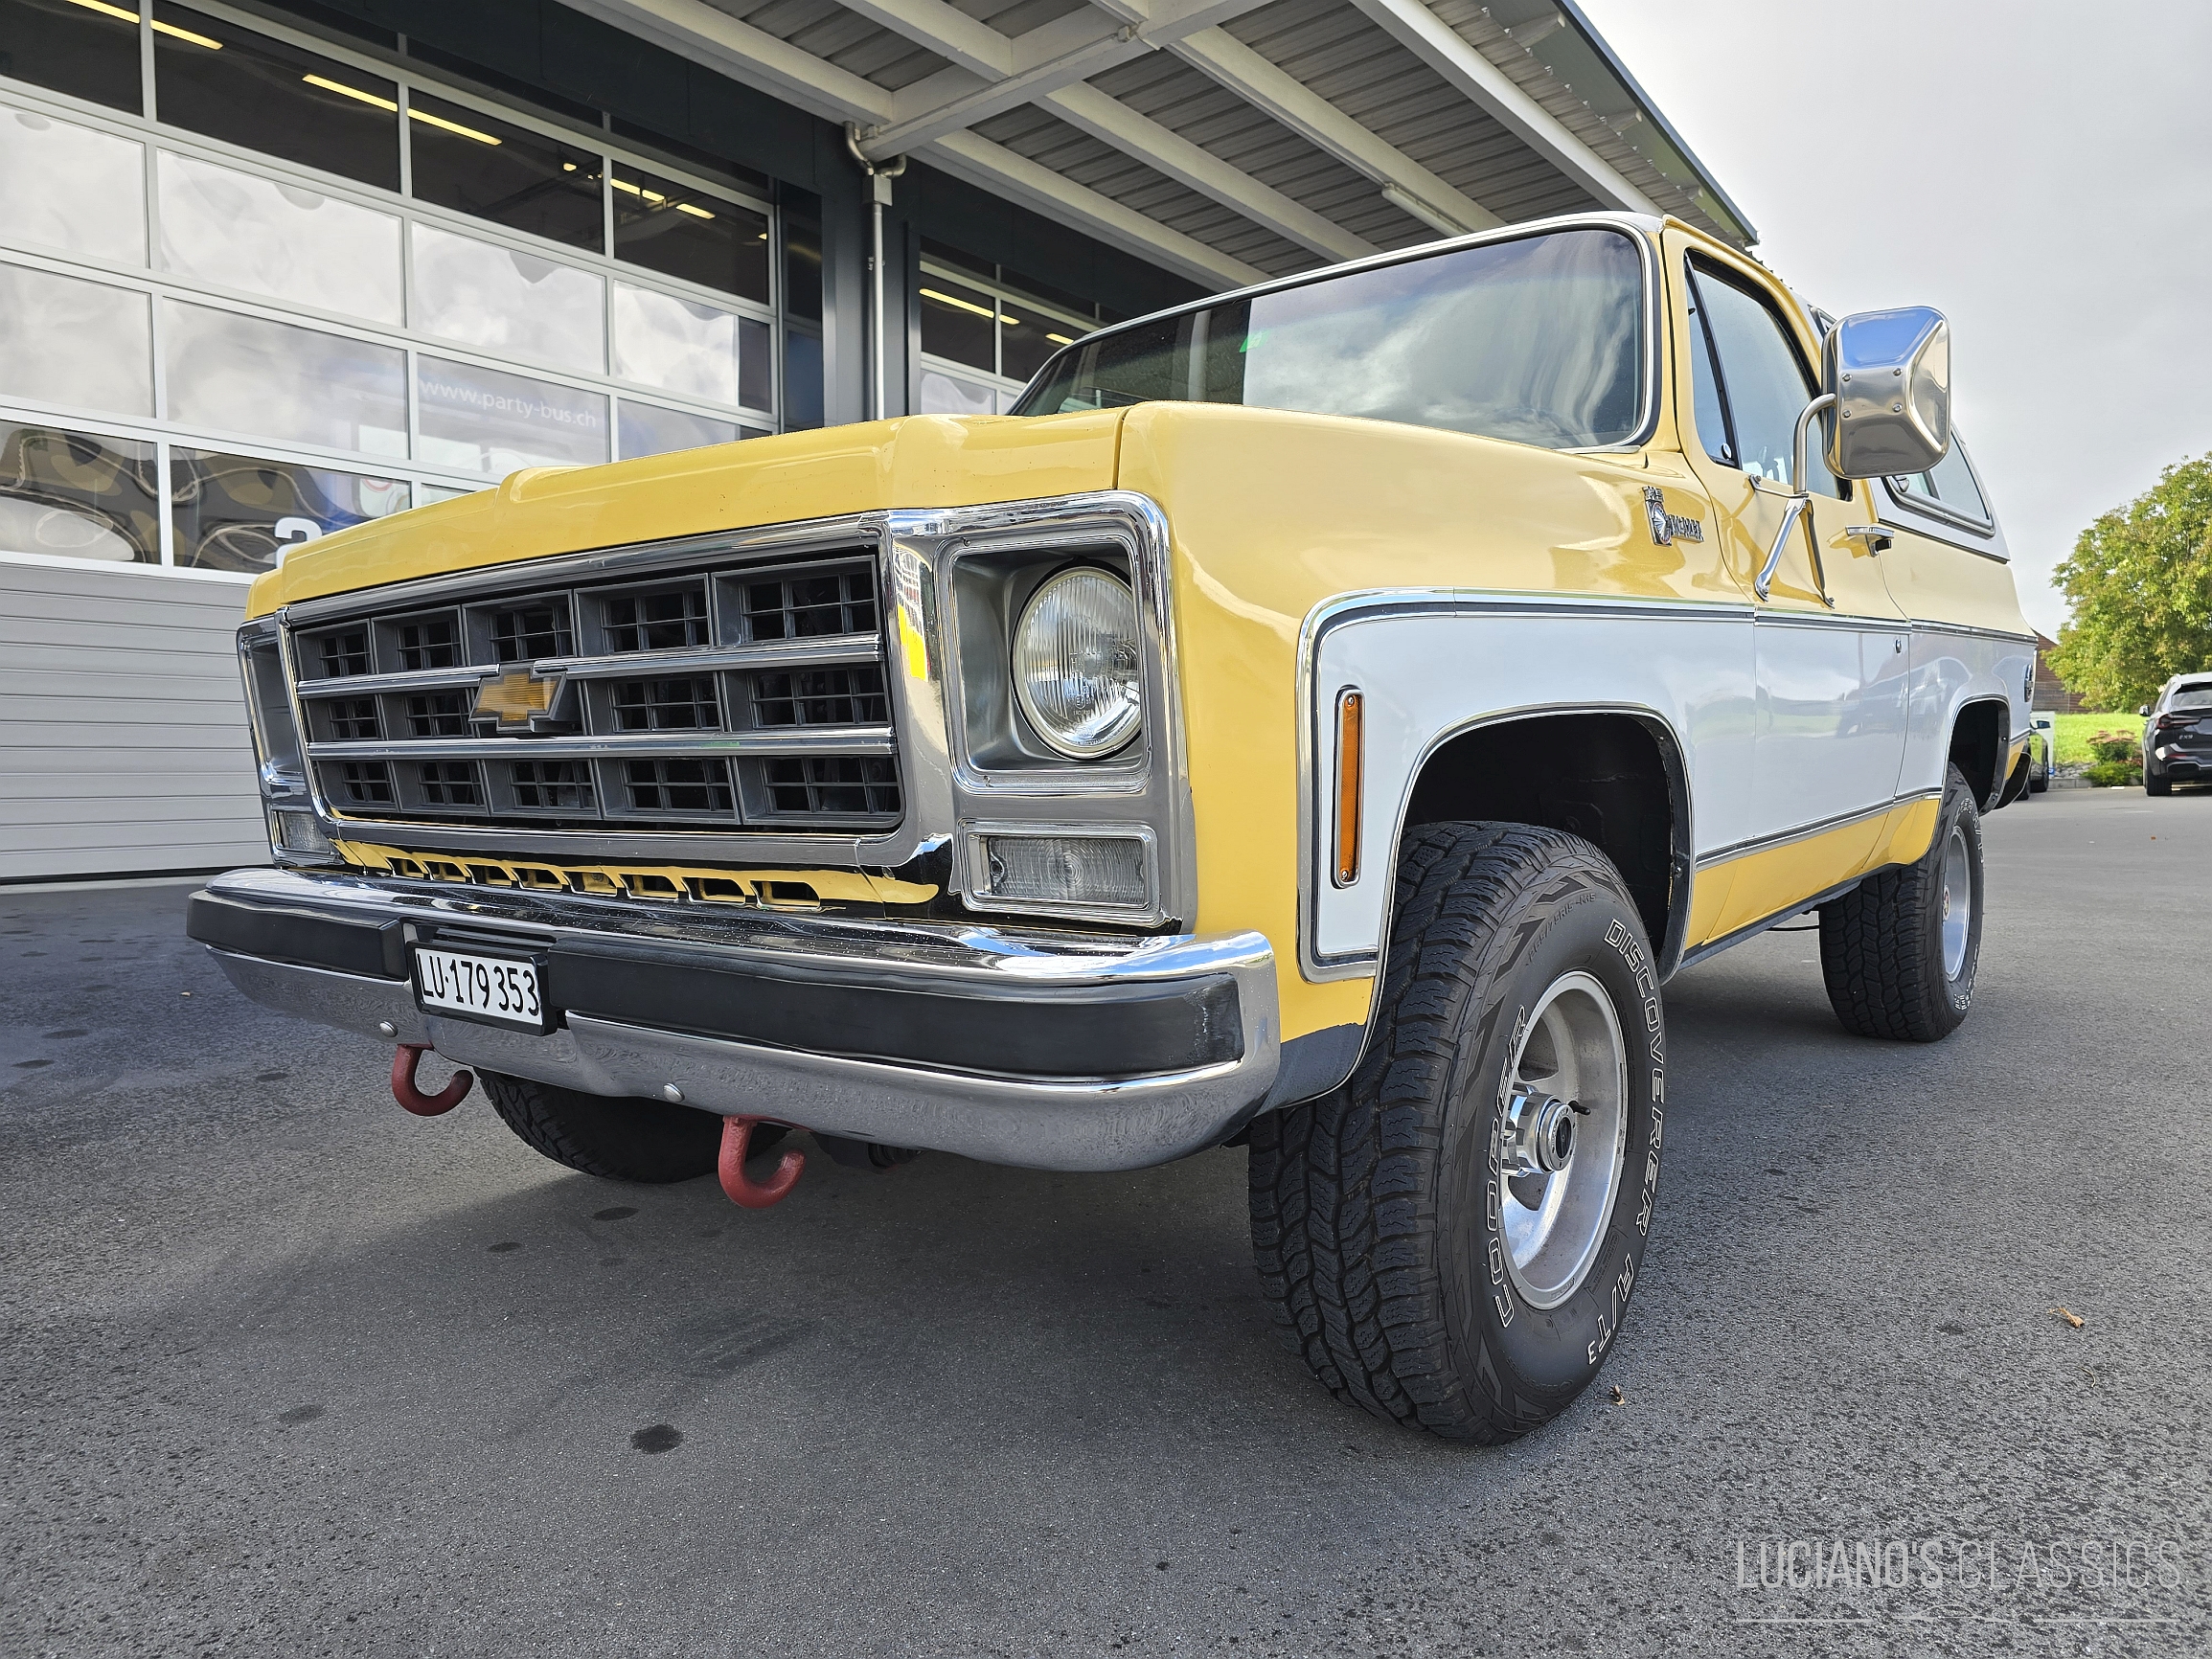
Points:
(723, 698)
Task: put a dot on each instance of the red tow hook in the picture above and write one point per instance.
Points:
(422, 1105)
(736, 1142)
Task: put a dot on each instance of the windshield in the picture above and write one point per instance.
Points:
(2192, 697)
(1539, 341)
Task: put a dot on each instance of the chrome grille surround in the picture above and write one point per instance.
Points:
(630, 699)
(847, 748)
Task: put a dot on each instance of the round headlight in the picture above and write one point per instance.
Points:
(1076, 661)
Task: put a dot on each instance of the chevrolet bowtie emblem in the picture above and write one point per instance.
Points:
(518, 700)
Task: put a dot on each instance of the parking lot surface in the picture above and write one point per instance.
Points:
(290, 1371)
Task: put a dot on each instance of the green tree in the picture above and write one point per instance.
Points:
(2140, 586)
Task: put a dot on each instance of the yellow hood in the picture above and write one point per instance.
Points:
(919, 462)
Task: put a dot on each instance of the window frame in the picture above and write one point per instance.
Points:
(153, 279)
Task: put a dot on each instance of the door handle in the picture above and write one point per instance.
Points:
(1875, 538)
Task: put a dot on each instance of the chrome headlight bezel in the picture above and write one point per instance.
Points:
(1007, 781)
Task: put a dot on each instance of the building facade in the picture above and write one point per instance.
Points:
(270, 270)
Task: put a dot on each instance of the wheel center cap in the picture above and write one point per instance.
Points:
(1540, 1133)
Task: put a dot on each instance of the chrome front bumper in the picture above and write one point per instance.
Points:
(1016, 1046)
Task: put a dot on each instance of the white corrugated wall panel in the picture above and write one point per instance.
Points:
(122, 729)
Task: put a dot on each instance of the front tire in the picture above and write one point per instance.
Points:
(617, 1139)
(1900, 950)
(1434, 1248)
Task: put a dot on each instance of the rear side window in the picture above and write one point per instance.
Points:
(1950, 485)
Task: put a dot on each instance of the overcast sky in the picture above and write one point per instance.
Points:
(2041, 173)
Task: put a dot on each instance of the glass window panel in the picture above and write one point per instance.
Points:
(225, 226)
(677, 345)
(215, 78)
(647, 429)
(943, 394)
(1536, 340)
(1952, 484)
(64, 340)
(802, 267)
(681, 232)
(427, 494)
(1027, 341)
(1712, 421)
(802, 380)
(243, 374)
(506, 301)
(78, 496)
(1764, 381)
(484, 420)
(69, 187)
(65, 46)
(470, 162)
(756, 375)
(243, 512)
(956, 321)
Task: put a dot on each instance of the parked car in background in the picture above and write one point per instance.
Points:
(2177, 734)
(2042, 752)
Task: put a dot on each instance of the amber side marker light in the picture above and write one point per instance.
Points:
(1351, 757)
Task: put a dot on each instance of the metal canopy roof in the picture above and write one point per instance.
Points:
(1228, 139)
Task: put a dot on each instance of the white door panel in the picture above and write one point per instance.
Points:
(1430, 668)
(1830, 717)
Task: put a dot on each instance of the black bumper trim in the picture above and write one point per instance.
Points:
(1138, 1029)
(283, 933)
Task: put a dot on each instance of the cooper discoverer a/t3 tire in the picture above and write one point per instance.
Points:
(618, 1140)
(1450, 1240)
(1899, 951)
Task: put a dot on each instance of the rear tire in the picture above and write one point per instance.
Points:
(1898, 958)
(1416, 1260)
(617, 1139)
(2156, 783)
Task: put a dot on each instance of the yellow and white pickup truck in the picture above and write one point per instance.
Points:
(1319, 719)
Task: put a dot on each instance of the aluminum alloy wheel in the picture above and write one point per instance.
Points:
(1557, 1195)
(1957, 902)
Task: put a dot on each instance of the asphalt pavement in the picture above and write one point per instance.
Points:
(288, 1371)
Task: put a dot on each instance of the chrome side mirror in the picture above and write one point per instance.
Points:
(1889, 373)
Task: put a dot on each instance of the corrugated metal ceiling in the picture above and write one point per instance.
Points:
(1328, 46)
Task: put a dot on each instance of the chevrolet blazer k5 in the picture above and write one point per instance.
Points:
(1318, 719)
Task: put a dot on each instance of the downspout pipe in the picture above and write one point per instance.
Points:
(879, 175)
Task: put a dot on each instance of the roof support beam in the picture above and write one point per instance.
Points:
(1137, 135)
(986, 80)
(760, 60)
(1321, 124)
(753, 57)
(995, 168)
(1472, 75)
(1049, 67)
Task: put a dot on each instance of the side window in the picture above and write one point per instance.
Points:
(1706, 387)
(1762, 383)
(1950, 484)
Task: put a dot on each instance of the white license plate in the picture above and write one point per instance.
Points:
(498, 989)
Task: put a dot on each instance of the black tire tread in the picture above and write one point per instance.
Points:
(1342, 1187)
(649, 1140)
(1882, 979)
